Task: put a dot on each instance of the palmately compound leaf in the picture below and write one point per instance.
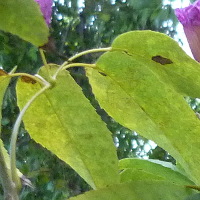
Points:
(63, 121)
(139, 190)
(140, 169)
(24, 18)
(137, 89)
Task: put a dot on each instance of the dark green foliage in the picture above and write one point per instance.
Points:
(16, 52)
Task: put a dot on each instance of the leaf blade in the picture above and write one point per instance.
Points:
(142, 190)
(140, 169)
(77, 123)
(181, 70)
(24, 18)
(139, 94)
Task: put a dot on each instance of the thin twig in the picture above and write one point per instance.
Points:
(89, 51)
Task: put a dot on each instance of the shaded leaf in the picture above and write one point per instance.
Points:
(24, 18)
(7, 159)
(4, 81)
(140, 169)
(63, 121)
(139, 190)
(193, 197)
(5, 162)
(141, 94)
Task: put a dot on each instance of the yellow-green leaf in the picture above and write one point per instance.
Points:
(165, 57)
(140, 169)
(140, 93)
(7, 159)
(4, 81)
(24, 18)
(139, 190)
(63, 121)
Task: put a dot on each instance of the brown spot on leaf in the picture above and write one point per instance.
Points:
(161, 60)
(2, 72)
(28, 79)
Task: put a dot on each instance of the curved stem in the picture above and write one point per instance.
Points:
(58, 70)
(15, 131)
(66, 66)
(10, 191)
(78, 65)
(89, 51)
(34, 77)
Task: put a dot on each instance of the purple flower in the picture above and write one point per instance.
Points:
(190, 19)
(46, 9)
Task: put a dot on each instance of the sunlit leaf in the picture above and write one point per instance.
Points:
(63, 121)
(140, 169)
(139, 190)
(24, 18)
(178, 68)
(144, 94)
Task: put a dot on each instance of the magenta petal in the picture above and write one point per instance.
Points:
(190, 19)
(181, 16)
(189, 15)
(46, 9)
(193, 37)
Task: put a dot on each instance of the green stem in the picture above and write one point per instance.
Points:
(79, 65)
(89, 51)
(10, 191)
(36, 78)
(45, 62)
(15, 131)
(58, 70)
(65, 66)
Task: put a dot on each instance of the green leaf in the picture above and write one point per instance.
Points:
(24, 18)
(4, 159)
(7, 159)
(139, 190)
(63, 121)
(140, 169)
(4, 81)
(150, 47)
(141, 94)
(194, 197)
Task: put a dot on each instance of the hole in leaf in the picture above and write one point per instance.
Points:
(161, 60)
(28, 79)
(102, 74)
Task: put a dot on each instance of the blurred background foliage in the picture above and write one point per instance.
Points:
(76, 26)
